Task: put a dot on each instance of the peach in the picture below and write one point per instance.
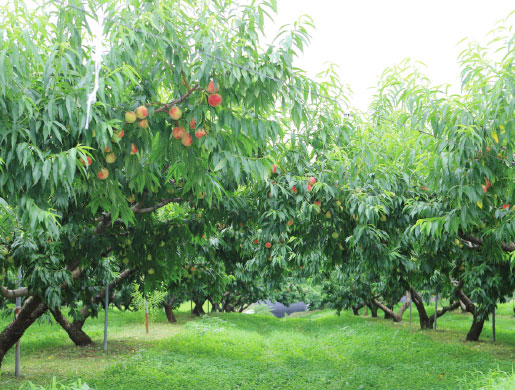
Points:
(214, 100)
(178, 132)
(175, 113)
(103, 174)
(142, 112)
(187, 140)
(130, 117)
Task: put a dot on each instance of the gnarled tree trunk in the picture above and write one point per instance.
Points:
(198, 310)
(74, 329)
(425, 322)
(32, 309)
(355, 309)
(373, 309)
(169, 311)
(477, 324)
(397, 317)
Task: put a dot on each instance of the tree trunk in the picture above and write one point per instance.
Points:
(74, 330)
(169, 311)
(425, 322)
(32, 309)
(477, 325)
(397, 317)
(198, 310)
(475, 329)
(373, 309)
(355, 309)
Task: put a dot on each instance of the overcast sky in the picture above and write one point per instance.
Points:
(364, 37)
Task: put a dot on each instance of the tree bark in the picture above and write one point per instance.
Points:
(355, 309)
(198, 310)
(475, 329)
(373, 309)
(32, 309)
(477, 324)
(74, 329)
(397, 317)
(169, 311)
(425, 322)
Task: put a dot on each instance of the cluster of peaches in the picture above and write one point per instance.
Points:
(141, 114)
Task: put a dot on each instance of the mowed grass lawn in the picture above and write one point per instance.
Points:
(316, 350)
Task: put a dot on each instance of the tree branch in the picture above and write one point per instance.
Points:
(184, 97)
(506, 246)
(20, 292)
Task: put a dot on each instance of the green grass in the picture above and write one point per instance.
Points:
(316, 350)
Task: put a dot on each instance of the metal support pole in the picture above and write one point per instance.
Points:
(436, 309)
(105, 317)
(146, 315)
(410, 311)
(17, 352)
(493, 325)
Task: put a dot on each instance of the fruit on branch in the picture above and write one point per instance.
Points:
(187, 140)
(294, 189)
(309, 187)
(125, 260)
(88, 161)
(268, 245)
(487, 183)
(505, 206)
(192, 123)
(290, 222)
(143, 124)
(131, 198)
(273, 169)
(211, 87)
(383, 217)
(318, 203)
(142, 112)
(175, 113)
(151, 271)
(103, 174)
(193, 269)
(149, 257)
(134, 148)
(424, 188)
(130, 117)
(312, 180)
(335, 235)
(110, 158)
(200, 133)
(202, 195)
(178, 132)
(119, 134)
(484, 188)
(107, 149)
(338, 203)
(328, 214)
(256, 241)
(214, 100)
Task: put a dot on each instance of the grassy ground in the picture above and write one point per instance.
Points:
(317, 350)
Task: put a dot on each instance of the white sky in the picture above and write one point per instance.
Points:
(364, 37)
